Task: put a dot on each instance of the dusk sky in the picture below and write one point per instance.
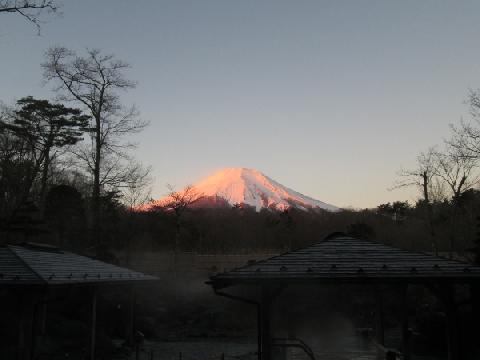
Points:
(329, 98)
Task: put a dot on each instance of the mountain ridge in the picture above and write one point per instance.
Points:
(248, 187)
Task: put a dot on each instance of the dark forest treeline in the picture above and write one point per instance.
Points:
(243, 230)
(237, 230)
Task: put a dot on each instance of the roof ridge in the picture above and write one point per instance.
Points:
(345, 236)
(12, 249)
(352, 260)
(409, 251)
(285, 253)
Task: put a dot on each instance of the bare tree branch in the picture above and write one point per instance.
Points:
(421, 176)
(31, 10)
(94, 81)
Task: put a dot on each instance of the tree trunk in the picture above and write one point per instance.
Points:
(96, 230)
(431, 227)
(43, 182)
(177, 244)
(425, 187)
(453, 228)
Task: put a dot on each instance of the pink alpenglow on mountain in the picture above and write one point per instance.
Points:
(246, 187)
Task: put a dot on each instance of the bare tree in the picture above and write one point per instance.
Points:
(138, 194)
(421, 176)
(466, 136)
(458, 172)
(131, 178)
(437, 170)
(94, 81)
(31, 10)
(177, 202)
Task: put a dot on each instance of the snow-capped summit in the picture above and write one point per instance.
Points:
(249, 187)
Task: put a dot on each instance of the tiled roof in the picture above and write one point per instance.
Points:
(344, 258)
(40, 264)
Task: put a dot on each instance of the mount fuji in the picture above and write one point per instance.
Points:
(248, 188)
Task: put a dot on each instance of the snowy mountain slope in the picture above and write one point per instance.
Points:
(251, 188)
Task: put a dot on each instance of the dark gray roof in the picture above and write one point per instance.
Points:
(343, 258)
(40, 264)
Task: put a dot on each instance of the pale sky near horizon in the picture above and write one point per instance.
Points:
(329, 98)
